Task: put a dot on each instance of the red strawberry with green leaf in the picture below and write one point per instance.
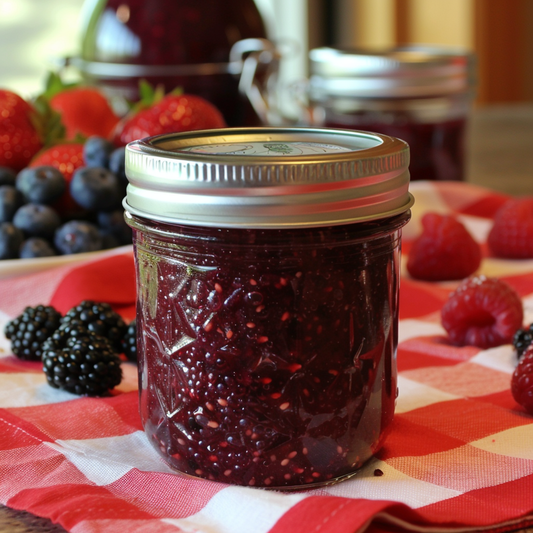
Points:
(157, 114)
(20, 137)
(84, 110)
(66, 157)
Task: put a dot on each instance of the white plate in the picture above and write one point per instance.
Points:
(10, 268)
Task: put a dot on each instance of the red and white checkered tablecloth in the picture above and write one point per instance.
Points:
(459, 458)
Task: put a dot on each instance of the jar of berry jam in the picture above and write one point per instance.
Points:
(170, 43)
(267, 268)
(419, 94)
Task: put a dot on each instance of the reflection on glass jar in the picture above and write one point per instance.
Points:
(421, 95)
(183, 44)
(267, 336)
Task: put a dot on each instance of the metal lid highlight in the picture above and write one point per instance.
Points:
(267, 177)
(411, 71)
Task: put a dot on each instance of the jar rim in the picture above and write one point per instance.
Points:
(268, 177)
(405, 71)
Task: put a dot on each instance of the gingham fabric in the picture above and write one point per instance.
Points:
(459, 458)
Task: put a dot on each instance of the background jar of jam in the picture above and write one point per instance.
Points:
(268, 269)
(420, 94)
(185, 43)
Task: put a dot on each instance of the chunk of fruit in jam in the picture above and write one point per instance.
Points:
(269, 367)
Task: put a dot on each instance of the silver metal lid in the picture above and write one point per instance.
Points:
(412, 71)
(267, 177)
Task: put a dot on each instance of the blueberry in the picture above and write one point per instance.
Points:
(117, 163)
(78, 236)
(10, 240)
(41, 185)
(10, 201)
(37, 220)
(7, 176)
(96, 188)
(36, 247)
(113, 223)
(96, 151)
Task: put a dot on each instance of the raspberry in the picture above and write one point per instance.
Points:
(511, 236)
(29, 330)
(99, 318)
(522, 339)
(522, 381)
(483, 312)
(445, 250)
(80, 361)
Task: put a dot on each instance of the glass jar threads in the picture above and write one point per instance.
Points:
(268, 267)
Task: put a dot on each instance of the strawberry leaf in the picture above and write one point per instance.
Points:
(54, 85)
(47, 122)
(146, 92)
(148, 97)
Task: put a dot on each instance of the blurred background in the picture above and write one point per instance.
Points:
(500, 32)
(35, 36)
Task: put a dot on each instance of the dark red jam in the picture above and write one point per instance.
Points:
(189, 33)
(267, 358)
(437, 148)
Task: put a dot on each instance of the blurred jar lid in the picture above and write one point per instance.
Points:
(411, 71)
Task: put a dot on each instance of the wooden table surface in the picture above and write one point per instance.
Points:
(500, 157)
(500, 145)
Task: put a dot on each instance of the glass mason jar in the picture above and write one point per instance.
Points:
(185, 44)
(421, 95)
(267, 269)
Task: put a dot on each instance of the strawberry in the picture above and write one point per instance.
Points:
(19, 137)
(445, 250)
(171, 113)
(66, 157)
(483, 312)
(511, 235)
(84, 110)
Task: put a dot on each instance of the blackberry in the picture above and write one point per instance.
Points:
(28, 331)
(99, 318)
(522, 339)
(80, 361)
(129, 342)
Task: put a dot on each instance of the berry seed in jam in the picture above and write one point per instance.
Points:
(267, 357)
